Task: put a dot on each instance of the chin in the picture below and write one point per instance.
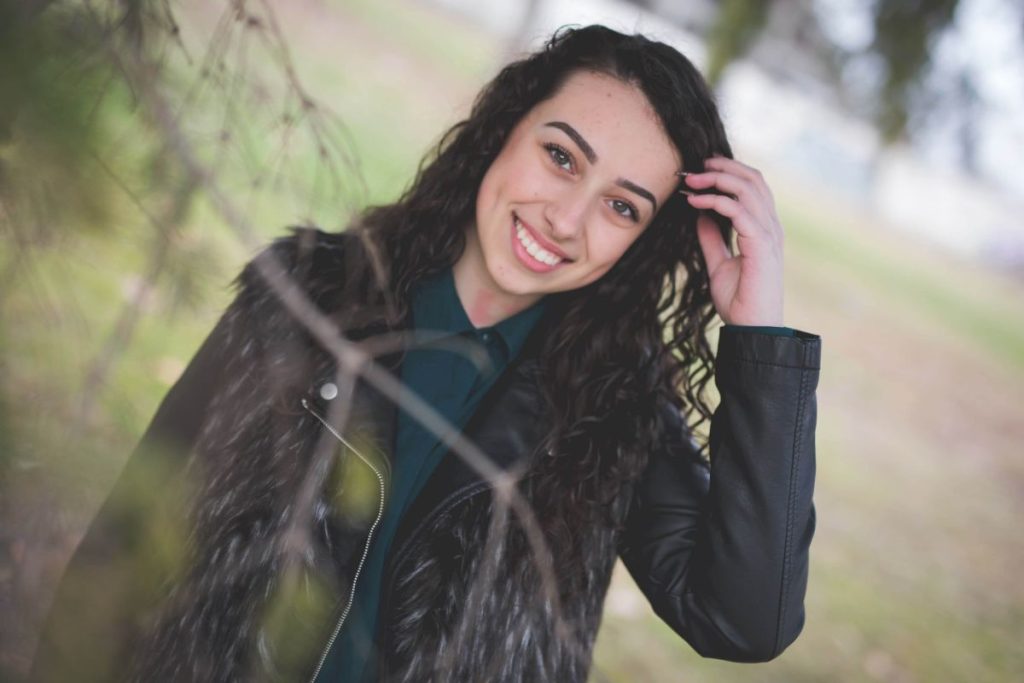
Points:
(511, 281)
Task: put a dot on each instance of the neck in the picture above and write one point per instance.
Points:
(485, 303)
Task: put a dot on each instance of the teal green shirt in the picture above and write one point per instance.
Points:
(779, 331)
(453, 385)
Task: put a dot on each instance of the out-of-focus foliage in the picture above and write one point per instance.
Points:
(77, 154)
(52, 82)
(118, 130)
(905, 33)
(736, 27)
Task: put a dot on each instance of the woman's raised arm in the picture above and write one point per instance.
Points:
(722, 556)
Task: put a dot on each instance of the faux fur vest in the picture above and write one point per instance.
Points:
(253, 592)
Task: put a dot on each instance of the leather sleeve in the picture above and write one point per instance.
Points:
(722, 552)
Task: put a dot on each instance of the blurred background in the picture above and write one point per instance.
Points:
(148, 149)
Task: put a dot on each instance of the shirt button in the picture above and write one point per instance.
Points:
(328, 391)
(486, 337)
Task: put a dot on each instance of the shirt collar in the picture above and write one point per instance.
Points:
(436, 307)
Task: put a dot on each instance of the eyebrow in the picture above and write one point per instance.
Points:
(588, 151)
(633, 187)
(591, 156)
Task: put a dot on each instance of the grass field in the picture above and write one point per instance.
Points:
(921, 401)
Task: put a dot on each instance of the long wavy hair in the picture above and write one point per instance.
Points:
(620, 349)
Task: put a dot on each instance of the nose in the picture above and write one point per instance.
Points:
(566, 213)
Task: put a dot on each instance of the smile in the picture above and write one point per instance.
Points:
(532, 254)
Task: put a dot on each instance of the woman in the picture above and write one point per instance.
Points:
(553, 231)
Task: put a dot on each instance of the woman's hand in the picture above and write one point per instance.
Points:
(746, 288)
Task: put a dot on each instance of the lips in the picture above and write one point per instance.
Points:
(540, 240)
(532, 250)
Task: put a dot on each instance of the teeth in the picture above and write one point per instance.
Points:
(533, 249)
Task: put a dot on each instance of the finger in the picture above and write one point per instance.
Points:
(732, 209)
(751, 236)
(711, 243)
(738, 168)
(720, 163)
(739, 188)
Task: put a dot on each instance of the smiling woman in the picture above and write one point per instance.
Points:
(566, 196)
(550, 232)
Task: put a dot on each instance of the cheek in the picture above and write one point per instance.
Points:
(494, 184)
(518, 176)
(486, 195)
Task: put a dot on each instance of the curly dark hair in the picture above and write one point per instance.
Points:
(620, 349)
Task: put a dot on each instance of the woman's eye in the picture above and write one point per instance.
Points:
(561, 157)
(624, 209)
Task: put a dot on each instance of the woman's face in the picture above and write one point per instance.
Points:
(577, 182)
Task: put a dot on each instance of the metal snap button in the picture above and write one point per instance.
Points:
(328, 391)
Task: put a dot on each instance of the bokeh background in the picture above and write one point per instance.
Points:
(148, 149)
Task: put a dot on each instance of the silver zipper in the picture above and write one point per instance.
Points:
(369, 538)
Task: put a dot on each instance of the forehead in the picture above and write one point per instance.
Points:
(614, 116)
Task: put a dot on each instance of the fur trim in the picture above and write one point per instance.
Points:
(245, 471)
(466, 611)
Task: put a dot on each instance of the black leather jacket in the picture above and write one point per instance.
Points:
(720, 551)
